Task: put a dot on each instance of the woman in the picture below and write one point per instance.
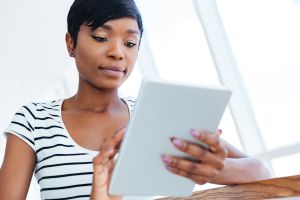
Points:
(60, 140)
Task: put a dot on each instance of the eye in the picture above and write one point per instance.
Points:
(130, 44)
(99, 38)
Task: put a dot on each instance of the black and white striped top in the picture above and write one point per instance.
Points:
(63, 169)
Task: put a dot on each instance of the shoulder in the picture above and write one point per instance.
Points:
(48, 105)
(32, 110)
(32, 113)
(130, 101)
(33, 116)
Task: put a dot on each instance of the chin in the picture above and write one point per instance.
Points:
(109, 85)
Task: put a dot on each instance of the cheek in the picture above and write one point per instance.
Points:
(131, 61)
(87, 57)
(85, 53)
(132, 58)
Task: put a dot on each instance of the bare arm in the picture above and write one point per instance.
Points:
(240, 168)
(220, 164)
(232, 152)
(17, 169)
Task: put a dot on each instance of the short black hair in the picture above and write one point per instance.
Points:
(94, 13)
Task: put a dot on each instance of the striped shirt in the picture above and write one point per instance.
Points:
(63, 169)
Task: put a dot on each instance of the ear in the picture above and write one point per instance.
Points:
(70, 45)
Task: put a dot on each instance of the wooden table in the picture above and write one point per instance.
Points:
(277, 188)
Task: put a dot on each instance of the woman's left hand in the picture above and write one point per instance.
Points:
(103, 165)
(210, 161)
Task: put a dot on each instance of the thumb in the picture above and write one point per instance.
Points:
(101, 168)
(100, 179)
(101, 175)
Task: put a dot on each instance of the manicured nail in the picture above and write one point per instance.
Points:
(169, 168)
(219, 131)
(110, 149)
(177, 142)
(167, 159)
(121, 130)
(196, 134)
(212, 149)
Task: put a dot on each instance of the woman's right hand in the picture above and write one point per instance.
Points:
(103, 165)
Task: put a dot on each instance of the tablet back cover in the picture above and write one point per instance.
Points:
(163, 110)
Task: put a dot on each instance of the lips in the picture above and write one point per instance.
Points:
(113, 71)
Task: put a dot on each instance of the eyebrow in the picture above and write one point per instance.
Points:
(130, 31)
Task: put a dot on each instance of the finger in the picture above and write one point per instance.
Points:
(115, 140)
(118, 138)
(196, 151)
(101, 170)
(100, 183)
(206, 137)
(111, 165)
(103, 156)
(192, 167)
(197, 179)
(212, 140)
(100, 176)
(116, 198)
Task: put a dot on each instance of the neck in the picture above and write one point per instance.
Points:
(93, 99)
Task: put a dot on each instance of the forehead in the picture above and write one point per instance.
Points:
(124, 25)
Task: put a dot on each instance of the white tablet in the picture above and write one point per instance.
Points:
(163, 109)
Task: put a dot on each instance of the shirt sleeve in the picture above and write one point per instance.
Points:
(22, 126)
(130, 101)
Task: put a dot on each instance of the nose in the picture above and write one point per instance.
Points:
(116, 51)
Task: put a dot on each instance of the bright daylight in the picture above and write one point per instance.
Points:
(136, 99)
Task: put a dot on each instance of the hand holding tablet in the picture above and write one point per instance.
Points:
(209, 161)
(164, 111)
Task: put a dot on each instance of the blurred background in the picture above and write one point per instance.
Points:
(251, 46)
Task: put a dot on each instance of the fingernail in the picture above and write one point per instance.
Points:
(169, 168)
(167, 159)
(121, 130)
(219, 131)
(196, 134)
(110, 149)
(177, 142)
(213, 149)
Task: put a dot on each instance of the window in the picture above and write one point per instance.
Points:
(264, 36)
(180, 50)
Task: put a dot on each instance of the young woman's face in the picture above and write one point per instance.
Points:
(105, 57)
